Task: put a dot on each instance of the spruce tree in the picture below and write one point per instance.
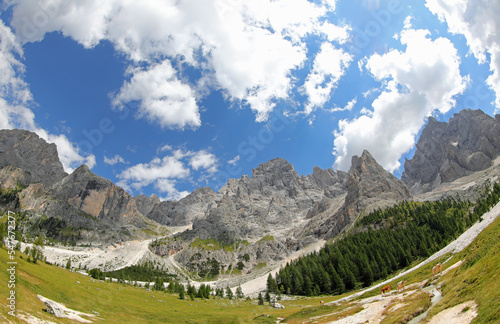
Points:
(229, 293)
(239, 293)
(271, 284)
(260, 299)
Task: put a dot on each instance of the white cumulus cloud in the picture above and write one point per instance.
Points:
(203, 160)
(478, 21)
(165, 173)
(114, 160)
(329, 66)
(418, 82)
(246, 49)
(163, 97)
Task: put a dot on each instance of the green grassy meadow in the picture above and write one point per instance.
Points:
(120, 303)
(476, 279)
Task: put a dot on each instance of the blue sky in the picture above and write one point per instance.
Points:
(165, 96)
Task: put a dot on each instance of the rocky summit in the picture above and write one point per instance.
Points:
(177, 213)
(273, 200)
(469, 142)
(26, 151)
(369, 187)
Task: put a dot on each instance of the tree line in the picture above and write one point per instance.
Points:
(385, 241)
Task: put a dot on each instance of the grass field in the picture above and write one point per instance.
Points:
(118, 303)
(476, 279)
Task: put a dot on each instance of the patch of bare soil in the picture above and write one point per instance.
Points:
(461, 314)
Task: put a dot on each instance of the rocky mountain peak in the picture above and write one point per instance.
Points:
(272, 167)
(369, 187)
(27, 151)
(469, 142)
(370, 180)
(174, 213)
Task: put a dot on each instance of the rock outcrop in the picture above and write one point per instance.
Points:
(59, 310)
(273, 200)
(369, 187)
(145, 204)
(79, 206)
(28, 152)
(176, 213)
(469, 142)
(98, 197)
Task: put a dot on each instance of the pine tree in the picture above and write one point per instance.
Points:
(239, 293)
(229, 293)
(268, 297)
(271, 284)
(260, 299)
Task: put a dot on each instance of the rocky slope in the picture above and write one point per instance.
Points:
(369, 187)
(265, 217)
(177, 213)
(274, 199)
(28, 152)
(468, 143)
(75, 207)
(276, 213)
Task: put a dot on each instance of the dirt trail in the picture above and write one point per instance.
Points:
(374, 307)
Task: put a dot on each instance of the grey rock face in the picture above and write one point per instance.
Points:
(98, 197)
(274, 199)
(370, 186)
(28, 152)
(447, 151)
(145, 204)
(14, 178)
(177, 213)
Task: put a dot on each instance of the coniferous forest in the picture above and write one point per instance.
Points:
(383, 242)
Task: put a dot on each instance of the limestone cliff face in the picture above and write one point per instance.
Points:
(14, 178)
(98, 197)
(469, 142)
(273, 200)
(79, 206)
(369, 187)
(145, 204)
(28, 152)
(177, 213)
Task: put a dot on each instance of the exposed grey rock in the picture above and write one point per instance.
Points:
(145, 204)
(468, 143)
(274, 199)
(370, 186)
(27, 151)
(80, 206)
(59, 310)
(14, 178)
(98, 197)
(184, 211)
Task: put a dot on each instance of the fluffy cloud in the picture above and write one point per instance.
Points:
(234, 160)
(164, 173)
(203, 160)
(329, 66)
(163, 97)
(16, 98)
(478, 22)
(246, 49)
(114, 160)
(423, 79)
(15, 95)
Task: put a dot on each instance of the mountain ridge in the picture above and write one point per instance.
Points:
(275, 200)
